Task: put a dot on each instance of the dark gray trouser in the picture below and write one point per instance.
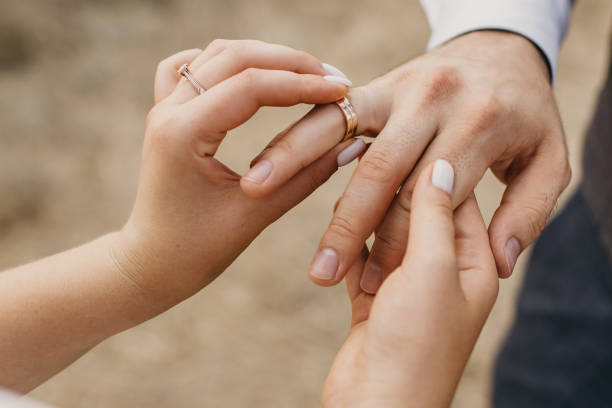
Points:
(559, 350)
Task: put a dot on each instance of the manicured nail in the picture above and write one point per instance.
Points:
(371, 279)
(351, 153)
(325, 264)
(259, 173)
(443, 176)
(338, 80)
(331, 70)
(512, 250)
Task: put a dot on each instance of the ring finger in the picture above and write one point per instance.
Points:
(308, 139)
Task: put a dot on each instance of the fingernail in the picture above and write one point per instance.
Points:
(331, 70)
(338, 80)
(371, 279)
(351, 152)
(256, 159)
(513, 249)
(325, 264)
(443, 176)
(260, 172)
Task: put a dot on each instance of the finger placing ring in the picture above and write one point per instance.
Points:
(185, 72)
(351, 118)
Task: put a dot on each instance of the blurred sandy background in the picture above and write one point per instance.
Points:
(75, 86)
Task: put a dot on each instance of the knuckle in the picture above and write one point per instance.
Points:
(219, 44)
(343, 228)
(440, 83)
(490, 287)
(240, 47)
(151, 116)
(564, 168)
(377, 166)
(236, 53)
(566, 175)
(487, 112)
(336, 204)
(162, 129)
(388, 241)
(161, 66)
(303, 58)
(536, 216)
(404, 199)
(486, 288)
(287, 149)
(438, 203)
(248, 78)
(441, 204)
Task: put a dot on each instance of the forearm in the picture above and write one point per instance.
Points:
(54, 310)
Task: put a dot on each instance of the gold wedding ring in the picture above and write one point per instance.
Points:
(185, 72)
(351, 118)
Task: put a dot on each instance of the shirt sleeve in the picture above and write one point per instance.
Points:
(543, 22)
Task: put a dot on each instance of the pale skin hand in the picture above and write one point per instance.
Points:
(408, 345)
(481, 101)
(190, 219)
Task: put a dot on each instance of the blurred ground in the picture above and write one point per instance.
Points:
(75, 86)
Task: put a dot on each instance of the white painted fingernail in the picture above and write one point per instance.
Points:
(331, 70)
(351, 153)
(338, 80)
(443, 176)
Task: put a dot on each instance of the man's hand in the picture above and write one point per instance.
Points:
(482, 100)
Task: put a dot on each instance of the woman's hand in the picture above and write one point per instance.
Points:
(191, 219)
(481, 101)
(409, 344)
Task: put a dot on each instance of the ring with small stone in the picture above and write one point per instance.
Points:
(185, 72)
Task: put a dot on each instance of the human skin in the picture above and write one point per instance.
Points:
(483, 100)
(190, 219)
(408, 344)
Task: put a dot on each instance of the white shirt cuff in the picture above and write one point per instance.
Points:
(544, 22)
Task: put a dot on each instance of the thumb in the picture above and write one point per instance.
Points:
(432, 229)
(527, 204)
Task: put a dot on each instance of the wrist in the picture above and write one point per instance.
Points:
(160, 264)
(135, 264)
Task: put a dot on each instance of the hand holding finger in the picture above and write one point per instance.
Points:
(470, 164)
(309, 138)
(232, 57)
(233, 101)
(370, 191)
(475, 262)
(432, 229)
